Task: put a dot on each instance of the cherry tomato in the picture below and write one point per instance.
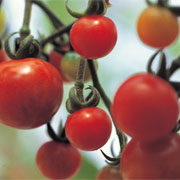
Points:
(58, 160)
(2, 21)
(89, 128)
(30, 94)
(160, 160)
(55, 60)
(157, 27)
(70, 64)
(145, 107)
(109, 173)
(93, 36)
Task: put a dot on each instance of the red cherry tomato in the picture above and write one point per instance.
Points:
(55, 60)
(157, 27)
(160, 160)
(109, 173)
(30, 94)
(93, 36)
(145, 107)
(58, 160)
(89, 128)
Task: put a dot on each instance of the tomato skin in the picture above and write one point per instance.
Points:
(110, 173)
(58, 160)
(93, 36)
(70, 64)
(145, 107)
(89, 128)
(160, 160)
(157, 27)
(30, 94)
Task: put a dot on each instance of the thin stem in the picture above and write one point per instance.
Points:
(80, 79)
(25, 30)
(106, 100)
(66, 29)
(54, 19)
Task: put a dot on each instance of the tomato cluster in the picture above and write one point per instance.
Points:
(145, 106)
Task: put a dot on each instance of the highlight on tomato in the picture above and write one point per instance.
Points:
(30, 94)
(58, 160)
(157, 27)
(145, 107)
(89, 128)
(93, 36)
(55, 60)
(70, 64)
(109, 172)
(159, 160)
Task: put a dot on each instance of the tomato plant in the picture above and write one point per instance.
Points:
(93, 36)
(55, 60)
(89, 128)
(69, 66)
(139, 109)
(160, 160)
(30, 94)
(157, 27)
(109, 172)
(58, 160)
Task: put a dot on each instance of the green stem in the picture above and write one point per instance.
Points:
(25, 30)
(106, 100)
(80, 79)
(54, 19)
(53, 36)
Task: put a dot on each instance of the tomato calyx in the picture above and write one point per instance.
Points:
(26, 47)
(61, 138)
(94, 8)
(73, 103)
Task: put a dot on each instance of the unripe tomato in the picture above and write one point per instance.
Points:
(2, 21)
(109, 173)
(157, 27)
(55, 60)
(58, 160)
(89, 128)
(93, 36)
(30, 94)
(160, 160)
(145, 107)
(70, 64)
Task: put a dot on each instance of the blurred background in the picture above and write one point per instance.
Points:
(18, 147)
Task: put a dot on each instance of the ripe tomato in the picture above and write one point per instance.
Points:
(89, 128)
(58, 160)
(55, 60)
(30, 94)
(93, 36)
(160, 160)
(70, 64)
(145, 107)
(157, 27)
(109, 173)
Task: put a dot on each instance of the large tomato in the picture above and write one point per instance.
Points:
(93, 36)
(30, 94)
(58, 160)
(160, 160)
(89, 128)
(145, 107)
(157, 27)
